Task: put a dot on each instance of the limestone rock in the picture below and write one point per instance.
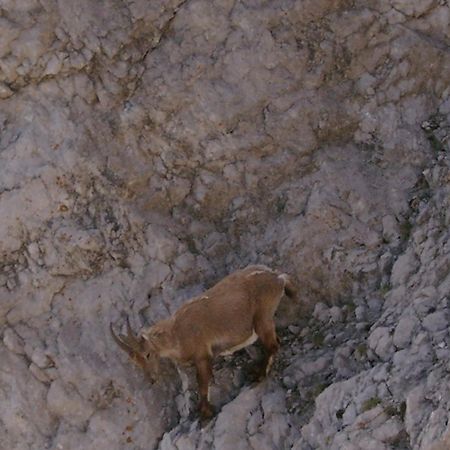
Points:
(380, 341)
(147, 149)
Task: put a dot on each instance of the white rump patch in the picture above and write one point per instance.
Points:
(284, 277)
(243, 344)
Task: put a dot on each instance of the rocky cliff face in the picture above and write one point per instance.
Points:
(147, 148)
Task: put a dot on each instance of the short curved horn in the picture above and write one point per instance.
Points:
(130, 334)
(123, 345)
(130, 343)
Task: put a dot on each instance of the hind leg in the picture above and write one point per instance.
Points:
(269, 339)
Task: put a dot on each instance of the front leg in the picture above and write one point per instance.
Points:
(204, 375)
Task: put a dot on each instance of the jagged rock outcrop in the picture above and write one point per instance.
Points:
(149, 148)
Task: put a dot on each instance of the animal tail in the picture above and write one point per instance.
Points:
(289, 287)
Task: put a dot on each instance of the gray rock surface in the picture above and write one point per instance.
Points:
(149, 148)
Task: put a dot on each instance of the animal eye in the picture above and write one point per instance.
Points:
(147, 356)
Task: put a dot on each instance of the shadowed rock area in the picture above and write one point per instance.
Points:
(149, 148)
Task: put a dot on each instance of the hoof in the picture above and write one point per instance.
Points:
(206, 414)
(257, 374)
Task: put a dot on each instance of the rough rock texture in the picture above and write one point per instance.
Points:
(147, 148)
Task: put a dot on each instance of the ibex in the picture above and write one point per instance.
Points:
(227, 317)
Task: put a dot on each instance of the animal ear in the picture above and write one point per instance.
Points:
(143, 343)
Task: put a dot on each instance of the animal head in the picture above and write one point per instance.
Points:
(140, 349)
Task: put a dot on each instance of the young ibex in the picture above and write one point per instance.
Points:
(227, 317)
